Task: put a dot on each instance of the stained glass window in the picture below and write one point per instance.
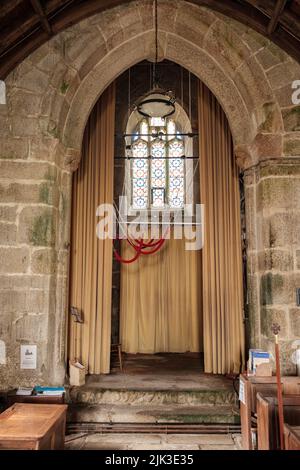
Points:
(171, 129)
(157, 168)
(140, 175)
(144, 129)
(157, 121)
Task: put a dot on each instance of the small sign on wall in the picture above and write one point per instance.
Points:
(2, 353)
(28, 356)
(242, 397)
(2, 92)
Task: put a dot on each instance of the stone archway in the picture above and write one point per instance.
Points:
(129, 54)
(231, 71)
(50, 95)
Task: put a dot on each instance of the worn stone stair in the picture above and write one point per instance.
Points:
(159, 414)
(93, 395)
(91, 405)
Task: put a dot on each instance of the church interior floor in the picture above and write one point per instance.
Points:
(154, 442)
(156, 397)
(160, 372)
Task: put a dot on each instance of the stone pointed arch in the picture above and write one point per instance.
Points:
(178, 50)
(49, 98)
(220, 52)
(245, 71)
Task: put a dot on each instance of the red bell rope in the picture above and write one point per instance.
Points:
(151, 244)
(140, 247)
(145, 245)
(151, 252)
(126, 261)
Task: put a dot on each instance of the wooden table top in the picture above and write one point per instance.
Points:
(29, 421)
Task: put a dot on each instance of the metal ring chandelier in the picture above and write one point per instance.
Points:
(158, 102)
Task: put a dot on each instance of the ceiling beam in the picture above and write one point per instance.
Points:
(72, 11)
(17, 54)
(43, 18)
(279, 7)
(76, 12)
(7, 7)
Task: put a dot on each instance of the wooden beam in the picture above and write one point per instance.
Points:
(241, 11)
(43, 18)
(7, 7)
(76, 12)
(279, 7)
(14, 56)
(15, 28)
(25, 40)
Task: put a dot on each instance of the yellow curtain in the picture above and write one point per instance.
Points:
(221, 256)
(160, 301)
(91, 259)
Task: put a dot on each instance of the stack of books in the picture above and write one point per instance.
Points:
(24, 391)
(49, 391)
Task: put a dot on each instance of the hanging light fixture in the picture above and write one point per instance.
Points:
(158, 102)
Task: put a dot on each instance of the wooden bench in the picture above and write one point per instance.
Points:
(267, 419)
(291, 437)
(26, 426)
(267, 387)
(13, 398)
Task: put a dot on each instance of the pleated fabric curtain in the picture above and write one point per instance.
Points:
(160, 308)
(221, 254)
(91, 258)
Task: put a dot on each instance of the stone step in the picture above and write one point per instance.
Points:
(158, 414)
(153, 441)
(96, 396)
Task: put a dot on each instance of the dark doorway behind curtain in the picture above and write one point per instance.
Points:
(221, 254)
(91, 258)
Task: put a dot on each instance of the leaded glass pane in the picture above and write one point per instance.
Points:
(158, 173)
(176, 201)
(140, 168)
(176, 148)
(166, 180)
(176, 192)
(158, 133)
(140, 202)
(176, 184)
(144, 130)
(140, 175)
(176, 168)
(171, 129)
(157, 121)
(158, 149)
(158, 197)
(140, 149)
(176, 174)
(140, 193)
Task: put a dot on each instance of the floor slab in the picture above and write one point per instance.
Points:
(160, 372)
(152, 442)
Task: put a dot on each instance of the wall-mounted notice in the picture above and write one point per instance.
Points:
(28, 356)
(242, 397)
(2, 353)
